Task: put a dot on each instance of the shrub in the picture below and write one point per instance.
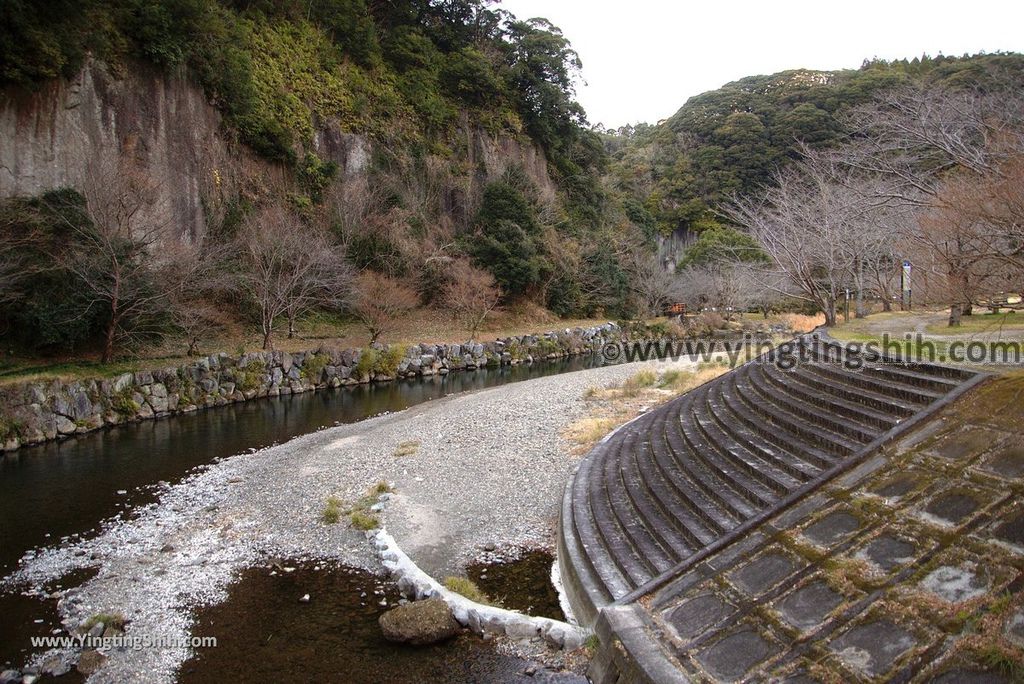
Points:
(9, 428)
(388, 360)
(313, 367)
(367, 362)
(124, 404)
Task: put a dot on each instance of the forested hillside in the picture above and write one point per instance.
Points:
(472, 158)
(728, 142)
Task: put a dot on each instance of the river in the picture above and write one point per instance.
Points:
(70, 488)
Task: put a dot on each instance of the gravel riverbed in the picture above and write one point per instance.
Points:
(488, 473)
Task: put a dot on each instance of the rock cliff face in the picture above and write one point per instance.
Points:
(54, 136)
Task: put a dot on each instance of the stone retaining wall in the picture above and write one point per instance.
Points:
(35, 412)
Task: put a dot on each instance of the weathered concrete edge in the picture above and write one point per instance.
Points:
(414, 582)
(586, 592)
(627, 653)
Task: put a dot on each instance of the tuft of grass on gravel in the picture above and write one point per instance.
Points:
(115, 620)
(332, 511)
(364, 521)
(359, 515)
(639, 381)
(408, 448)
(468, 588)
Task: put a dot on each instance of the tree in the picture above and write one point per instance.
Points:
(507, 238)
(288, 268)
(471, 294)
(953, 154)
(379, 302)
(652, 285)
(803, 224)
(127, 262)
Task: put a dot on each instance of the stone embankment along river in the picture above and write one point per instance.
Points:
(35, 412)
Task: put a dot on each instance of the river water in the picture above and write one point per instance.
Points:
(69, 488)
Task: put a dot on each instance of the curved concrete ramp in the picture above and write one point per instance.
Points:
(694, 475)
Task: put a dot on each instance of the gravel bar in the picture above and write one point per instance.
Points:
(488, 474)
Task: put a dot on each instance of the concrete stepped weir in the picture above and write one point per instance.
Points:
(696, 474)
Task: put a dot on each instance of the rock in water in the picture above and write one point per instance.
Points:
(419, 623)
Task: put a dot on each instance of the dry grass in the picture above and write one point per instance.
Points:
(801, 323)
(615, 405)
(407, 448)
(468, 588)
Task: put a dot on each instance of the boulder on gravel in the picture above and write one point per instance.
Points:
(419, 623)
(90, 661)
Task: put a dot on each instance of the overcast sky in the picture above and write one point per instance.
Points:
(643, 58)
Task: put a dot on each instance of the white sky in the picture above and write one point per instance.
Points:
(643, 58)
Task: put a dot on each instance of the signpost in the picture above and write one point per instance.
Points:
(905, 285)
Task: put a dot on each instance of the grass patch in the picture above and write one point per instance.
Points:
(361, 520)
(408, 448)
(359, 514)
(332, 511)
(980, 323)
(638, 381)
(115, 620)
(1003, 661)
(591, 644)
(468, 588)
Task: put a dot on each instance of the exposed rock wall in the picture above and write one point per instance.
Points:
(53, 136)
(35, 412)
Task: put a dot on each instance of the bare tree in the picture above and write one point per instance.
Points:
(471, 294)
(126, 259)
(652, 285)
(197, 320)
(727, 286)
(380, 301)
(289, 268)
(802, 224)
(953, 153)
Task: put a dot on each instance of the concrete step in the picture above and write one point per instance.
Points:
(689, 472)
(864, 415)
(842, 427)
